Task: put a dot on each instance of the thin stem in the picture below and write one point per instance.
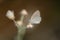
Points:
(22, 17)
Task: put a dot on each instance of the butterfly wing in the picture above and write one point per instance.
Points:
(35, 18)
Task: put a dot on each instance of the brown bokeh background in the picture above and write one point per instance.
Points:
(48, 29)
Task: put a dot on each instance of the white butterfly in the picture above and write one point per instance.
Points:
(35, 18)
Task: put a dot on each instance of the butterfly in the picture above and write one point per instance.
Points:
(35, 18)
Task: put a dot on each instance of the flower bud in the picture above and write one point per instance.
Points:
(10, 15)
(19, 23)
(24, 12)
(30, 25)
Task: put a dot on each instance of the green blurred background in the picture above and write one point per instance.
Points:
(48, 29)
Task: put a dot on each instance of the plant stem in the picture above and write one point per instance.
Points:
(21, 32)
